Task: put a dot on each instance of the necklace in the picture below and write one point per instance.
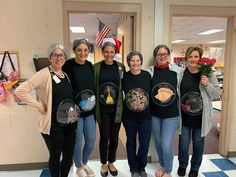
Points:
(59, 73)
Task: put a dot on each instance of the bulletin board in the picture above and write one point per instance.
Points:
(7, 68)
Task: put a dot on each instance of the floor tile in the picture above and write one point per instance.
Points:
(224, 164)
(215, 174)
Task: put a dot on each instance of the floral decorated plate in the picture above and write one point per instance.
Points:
(137, 100)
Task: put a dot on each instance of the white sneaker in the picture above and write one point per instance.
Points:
(88, 170)
(81, 172)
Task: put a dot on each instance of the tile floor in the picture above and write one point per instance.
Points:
(213, 165)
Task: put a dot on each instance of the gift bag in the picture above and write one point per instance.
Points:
(10, 73)
(8, 80)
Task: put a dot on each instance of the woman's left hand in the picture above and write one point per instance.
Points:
(204, 80)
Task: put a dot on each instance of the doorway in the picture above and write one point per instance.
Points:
(228, 13)
(208, 33)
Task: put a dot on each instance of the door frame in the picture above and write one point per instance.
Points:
(229, 13)
(101, 7)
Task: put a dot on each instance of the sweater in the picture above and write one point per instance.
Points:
(119, 106)
(42, 83)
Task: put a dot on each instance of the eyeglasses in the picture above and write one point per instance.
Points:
(162, 54)
(56, 56)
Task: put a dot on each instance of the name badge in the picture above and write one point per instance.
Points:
(56, 79)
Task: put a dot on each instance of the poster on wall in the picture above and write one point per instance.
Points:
(217, 53)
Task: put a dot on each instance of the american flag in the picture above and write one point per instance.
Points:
(103, 30)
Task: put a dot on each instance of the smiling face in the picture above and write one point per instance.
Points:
(109, 54)
(57, 59)
(192, 60)
(135, 63)
(162, 56)
(81, 53)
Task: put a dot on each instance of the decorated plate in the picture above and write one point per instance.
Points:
(137, 100)
(67, 112)
(191, 103)
(86, 100)
(163, 94)
(108, 93)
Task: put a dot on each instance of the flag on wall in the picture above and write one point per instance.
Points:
(103, 30)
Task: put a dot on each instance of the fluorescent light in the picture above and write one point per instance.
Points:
(77, 29)
(217, 42)
(178, 41)
(211, 31)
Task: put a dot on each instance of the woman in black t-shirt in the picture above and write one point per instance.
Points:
(80, 72)
(164, 107)
(197, 91)
(136, 85)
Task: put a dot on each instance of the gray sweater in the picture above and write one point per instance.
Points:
(208, 93)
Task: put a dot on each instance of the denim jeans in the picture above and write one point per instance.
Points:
(86, 128)
(198, 147)
(137, 156)
(163, 133)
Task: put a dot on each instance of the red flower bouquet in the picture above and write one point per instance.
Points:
(205, 66)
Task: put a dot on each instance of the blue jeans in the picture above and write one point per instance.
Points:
(198, 147)
(137, 161)
(163, 133)
(86, 128)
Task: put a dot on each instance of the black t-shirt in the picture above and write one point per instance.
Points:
(131, 81)
(170, 77)
(60, 91)
(190, 83)
(81, 77)
(109, 74)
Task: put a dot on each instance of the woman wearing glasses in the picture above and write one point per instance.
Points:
(80, 72)
(109, 105)
(52, 87)
(164, 107)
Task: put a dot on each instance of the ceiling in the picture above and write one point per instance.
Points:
(186, 28)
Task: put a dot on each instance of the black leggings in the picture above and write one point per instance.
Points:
(60, 140)
(109, 136)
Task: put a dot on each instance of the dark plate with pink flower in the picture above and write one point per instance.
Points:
(191, 103)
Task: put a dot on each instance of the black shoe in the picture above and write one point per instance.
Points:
(104, 174)
(181, 171)
(193, 173)
(113, 173)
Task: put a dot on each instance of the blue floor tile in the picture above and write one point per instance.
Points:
(215, 174)
(224, 164)
(45, 173)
